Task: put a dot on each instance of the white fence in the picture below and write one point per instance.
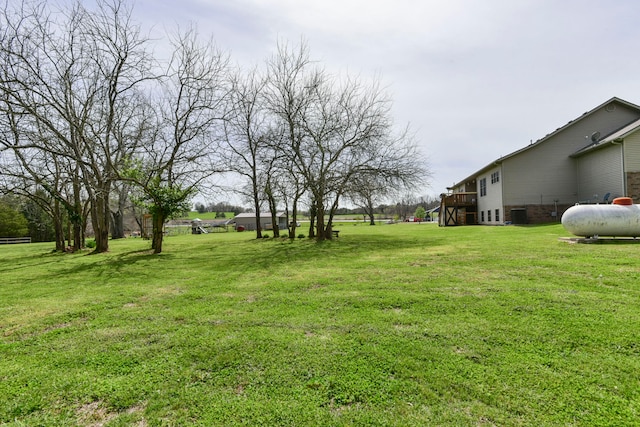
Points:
(11, 240)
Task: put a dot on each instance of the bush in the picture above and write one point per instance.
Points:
(301, 236)
(265, 236)
(12, 222)
(91, 243)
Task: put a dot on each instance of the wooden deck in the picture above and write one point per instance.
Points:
(467, 199)
(458, 209)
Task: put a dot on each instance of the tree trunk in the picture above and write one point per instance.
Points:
(256, 205)
(117, 216)
(312, 217)
(312, 227)
(138, 217)
(117, 224)
(77, 218)
(274, 223)
(140, 227)
(272, 208)
(370, 211)
(320, 235)
(69, 234)
(328, 231)
(158, 233)
(276, 227)
(77, 236)
(294, 221)
(58, 226)
(100, 221)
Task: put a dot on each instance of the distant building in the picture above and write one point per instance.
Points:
(247, 220)
(591, 159)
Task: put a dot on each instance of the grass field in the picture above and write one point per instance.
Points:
(207, 215)
(404, 324)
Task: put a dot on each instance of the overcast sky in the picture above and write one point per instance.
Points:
(475, 79)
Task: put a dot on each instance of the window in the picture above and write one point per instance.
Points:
(495, 177)
(497, 215)
(481, 216)
(483, 187)
(489, 215)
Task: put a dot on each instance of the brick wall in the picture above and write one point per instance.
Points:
(633, 186)
(537, 214)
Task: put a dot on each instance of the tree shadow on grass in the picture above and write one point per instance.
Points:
(36, 259)
(274, 253)
(102, 265)
(236, 257)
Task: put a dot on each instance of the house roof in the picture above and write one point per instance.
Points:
(545, 138)
(612, 138)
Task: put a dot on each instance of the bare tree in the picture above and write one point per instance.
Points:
(271, 188)
(406, 205)
(399, 166)
(338, 132)
(118, 205)
(183, 151)
(50, 182)
(134, 125)
(247, 136)
(70, 73)
(290, 96)
(367, 192)
(73, 84)
(291, 187)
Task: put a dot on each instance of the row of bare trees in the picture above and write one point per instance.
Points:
(66, 81)
(299, 134)
(90, 120)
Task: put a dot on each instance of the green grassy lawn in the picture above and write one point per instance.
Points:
(404, 324)
(208, 215)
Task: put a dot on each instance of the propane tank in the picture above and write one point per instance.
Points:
(619, 219)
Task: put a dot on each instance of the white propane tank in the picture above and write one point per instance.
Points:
(620, 219)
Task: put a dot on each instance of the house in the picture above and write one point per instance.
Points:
(247, 221)
(591, 159)
(432, 214)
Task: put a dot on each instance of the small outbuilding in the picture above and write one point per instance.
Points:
(247, 221)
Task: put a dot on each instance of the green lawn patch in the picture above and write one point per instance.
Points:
(209, 215)
(394, 324)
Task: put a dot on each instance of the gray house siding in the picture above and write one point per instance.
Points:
(491, 200)
(632, 165)
(600, 173)
(545, 172)
(632, 152)
(540, 176)
(571, 164)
